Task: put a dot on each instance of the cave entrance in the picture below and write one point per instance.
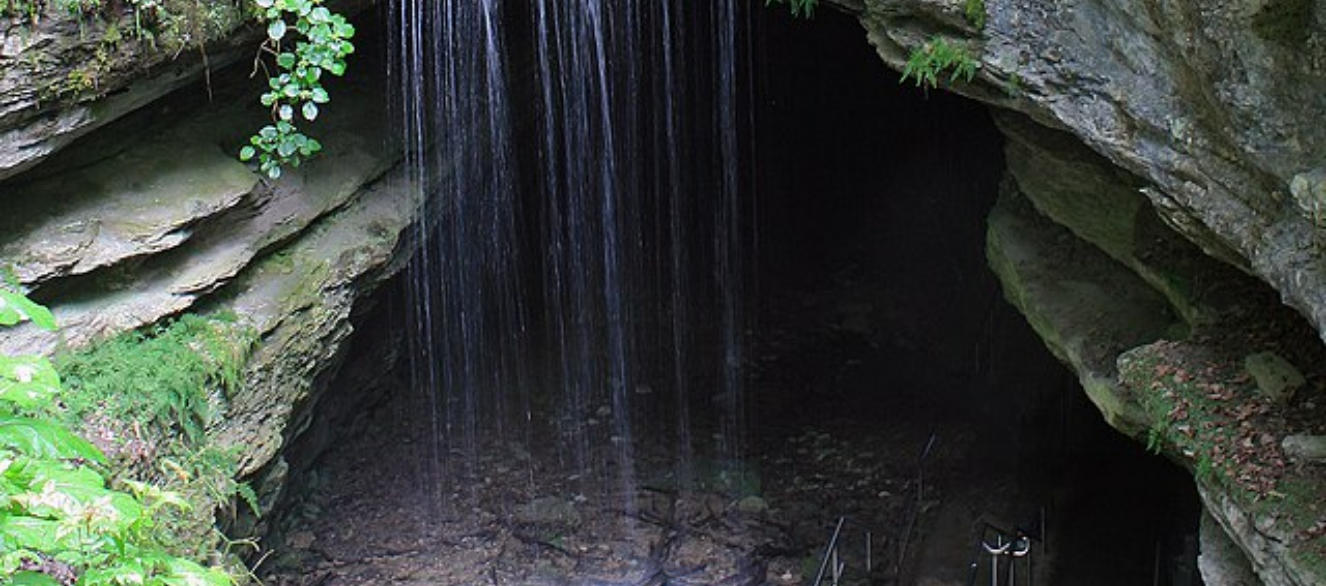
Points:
(885, 380)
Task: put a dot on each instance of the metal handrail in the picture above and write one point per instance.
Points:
(1018, 547)
(831, 566)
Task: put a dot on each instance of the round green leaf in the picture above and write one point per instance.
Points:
(247, 153)
(276, 30)
(310, 111)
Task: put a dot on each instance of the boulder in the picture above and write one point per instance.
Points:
(1276, 377)
(1305, 448)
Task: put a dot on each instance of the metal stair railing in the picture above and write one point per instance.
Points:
(831, 565)
(1007, 550)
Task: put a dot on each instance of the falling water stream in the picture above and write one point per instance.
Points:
(581, 329)
(586, 283)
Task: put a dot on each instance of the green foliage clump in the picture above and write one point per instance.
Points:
(936, 56)
(802, 8)
(173, 372)
(59, 521)
(321, 42)
(305, 40)
(158, 391)
(975, 12)
(29, 9)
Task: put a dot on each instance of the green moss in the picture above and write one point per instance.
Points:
(974, 10)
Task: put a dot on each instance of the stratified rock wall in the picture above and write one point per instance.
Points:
(1215, 106)
(154, 216)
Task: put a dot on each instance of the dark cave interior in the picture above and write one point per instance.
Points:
(874, 322)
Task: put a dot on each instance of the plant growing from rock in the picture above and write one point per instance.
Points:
(802, 8)
(305, 40)
(929, 61)
(974, 10)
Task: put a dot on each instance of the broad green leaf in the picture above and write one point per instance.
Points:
(310, 111)
(286, 60)
(56, 485)
(128, 570)
(32, 579)
(26, 532)
(247, 153)
(28, 381)
(16, 307)
(286, 112)
(186, 573)
(45, 440)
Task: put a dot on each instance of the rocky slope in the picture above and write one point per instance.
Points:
(1186, 153)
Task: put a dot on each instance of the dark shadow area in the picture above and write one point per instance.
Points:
(880, 323)
(886, 379)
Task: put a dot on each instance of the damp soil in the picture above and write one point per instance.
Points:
(840, 426)
(835, 432)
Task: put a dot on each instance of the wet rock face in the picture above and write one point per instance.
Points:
(1214, 105)
(153, 216)
(62, 77)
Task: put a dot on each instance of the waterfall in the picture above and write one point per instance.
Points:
(579, 280)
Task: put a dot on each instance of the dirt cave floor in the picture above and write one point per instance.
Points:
(367, 515)
(368, 518)
(918, 455)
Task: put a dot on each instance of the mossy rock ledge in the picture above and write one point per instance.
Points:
(153, 217)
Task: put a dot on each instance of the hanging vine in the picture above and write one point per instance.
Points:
(304, 41)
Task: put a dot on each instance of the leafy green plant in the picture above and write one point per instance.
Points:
(321, 42)
(1155, 439)
(932, 59)
(29, 9)
(59, 521)
(173, 370)
(304, 41)
(802, 8)
(975, 13)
